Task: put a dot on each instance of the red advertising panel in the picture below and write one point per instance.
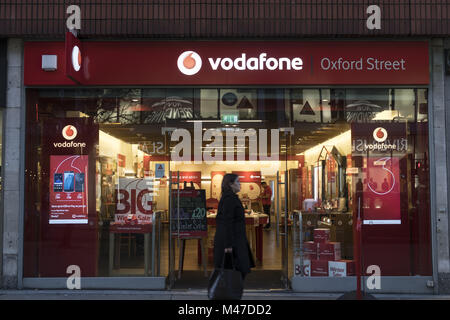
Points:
(68, 228)
(237, 63)
(250, 184)
(382, 191)
(216, 183)
(249, 176)
(68, 190)
(380, 146)
(378, 154)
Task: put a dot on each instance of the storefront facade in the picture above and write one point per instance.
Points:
(123, 145)
(349, 130)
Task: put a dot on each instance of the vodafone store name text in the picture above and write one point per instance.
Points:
(361, 64)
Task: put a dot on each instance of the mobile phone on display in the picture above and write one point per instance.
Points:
(79, 182)
(68, 181)
(58, 182)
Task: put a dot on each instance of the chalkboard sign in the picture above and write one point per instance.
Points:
(191, 220)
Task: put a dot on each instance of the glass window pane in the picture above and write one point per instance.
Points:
(345, 151)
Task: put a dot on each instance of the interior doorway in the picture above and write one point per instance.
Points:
(266, 243)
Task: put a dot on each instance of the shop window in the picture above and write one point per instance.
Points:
(310, 105)
(403, 104)
(241, 103)
(209, 102)
(177, 104)
(366, 105)
(345, 152)
(421, 104)
(144, 106)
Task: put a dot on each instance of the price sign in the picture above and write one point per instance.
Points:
(189, 215)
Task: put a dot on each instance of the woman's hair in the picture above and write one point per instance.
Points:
(228, 179)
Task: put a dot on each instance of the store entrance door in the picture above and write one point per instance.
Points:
(194, 195)
(284, 205)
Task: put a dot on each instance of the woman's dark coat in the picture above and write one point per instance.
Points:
(230, 233)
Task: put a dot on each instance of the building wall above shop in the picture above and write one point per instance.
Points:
(226, 19)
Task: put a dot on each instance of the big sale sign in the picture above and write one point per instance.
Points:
(134, 201)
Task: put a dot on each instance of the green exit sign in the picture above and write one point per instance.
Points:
(230, 119)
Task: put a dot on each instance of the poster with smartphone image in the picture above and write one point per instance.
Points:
(68, 189)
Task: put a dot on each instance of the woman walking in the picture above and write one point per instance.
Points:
(230, 233)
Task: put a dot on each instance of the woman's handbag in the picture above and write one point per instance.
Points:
(225, 284)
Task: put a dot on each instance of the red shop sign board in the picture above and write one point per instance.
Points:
(249, 176)
(235, 63)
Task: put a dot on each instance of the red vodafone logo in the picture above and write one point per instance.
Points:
(76, 58)
(189, 63)
(380, 134)
(69, 132)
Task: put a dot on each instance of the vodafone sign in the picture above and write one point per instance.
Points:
(69, 132)
(380, 134)
(190, 62)
(134, 63)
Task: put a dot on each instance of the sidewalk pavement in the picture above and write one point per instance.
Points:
(187, 295)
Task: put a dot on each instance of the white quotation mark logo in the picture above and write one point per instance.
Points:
(76, 58)
(69, 132)
(189, 63)
(380, 134)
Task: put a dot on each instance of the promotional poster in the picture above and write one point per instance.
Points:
(134, 201)
(381, 146)
(68, 189)
(382, 193)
